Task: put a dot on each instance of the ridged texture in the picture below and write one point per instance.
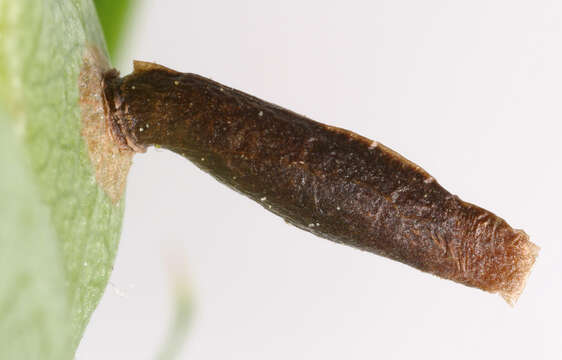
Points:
(325, 180)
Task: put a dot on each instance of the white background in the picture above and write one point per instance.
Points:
(469, 90)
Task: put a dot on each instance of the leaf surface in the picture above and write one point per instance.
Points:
(59, 230)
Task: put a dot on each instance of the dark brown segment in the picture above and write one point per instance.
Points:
(325, 180)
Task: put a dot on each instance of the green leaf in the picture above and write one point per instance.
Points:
(113, 17)
(59, 230)
(182, 311)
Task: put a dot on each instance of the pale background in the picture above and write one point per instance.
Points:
(469, 90)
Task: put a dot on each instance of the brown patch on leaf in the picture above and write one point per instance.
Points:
(111, 163)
